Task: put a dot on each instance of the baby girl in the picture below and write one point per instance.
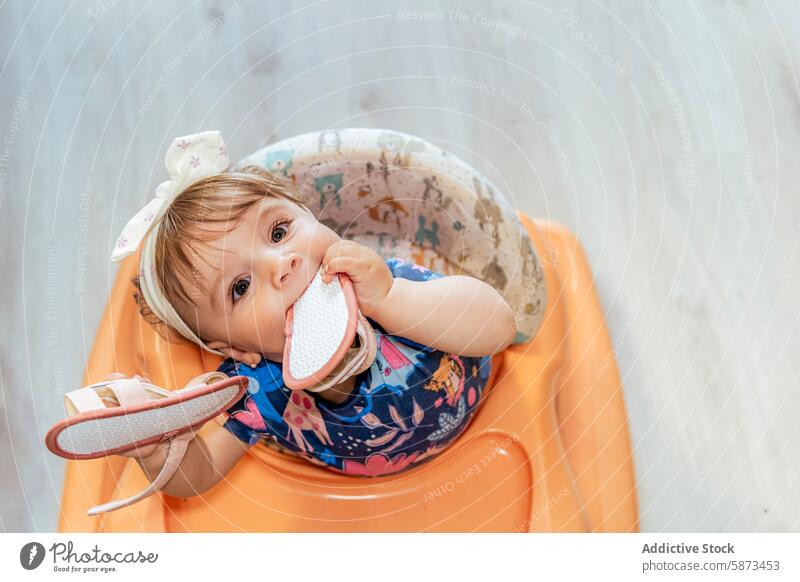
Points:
(229, 249)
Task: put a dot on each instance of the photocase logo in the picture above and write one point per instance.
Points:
(31, 555)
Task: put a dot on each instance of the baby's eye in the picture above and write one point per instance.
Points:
(280, 230)
(239, 287)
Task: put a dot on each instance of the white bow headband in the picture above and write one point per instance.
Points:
(189, 159)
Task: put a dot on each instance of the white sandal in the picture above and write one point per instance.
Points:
(146, 414)
(320, 330)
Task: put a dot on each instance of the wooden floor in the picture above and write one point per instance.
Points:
(665, 134)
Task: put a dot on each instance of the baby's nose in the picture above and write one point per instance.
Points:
(293, 263)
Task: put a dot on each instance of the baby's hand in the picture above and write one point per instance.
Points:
(370, 275)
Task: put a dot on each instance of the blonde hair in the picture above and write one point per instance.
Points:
(219, 199)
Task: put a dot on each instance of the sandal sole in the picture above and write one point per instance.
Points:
(99, 433)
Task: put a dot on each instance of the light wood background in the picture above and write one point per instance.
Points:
(665, 134)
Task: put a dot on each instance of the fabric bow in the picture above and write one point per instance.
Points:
(189, 159)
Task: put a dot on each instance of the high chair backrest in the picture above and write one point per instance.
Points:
(388, 190)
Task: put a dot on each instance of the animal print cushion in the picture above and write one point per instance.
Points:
(407, 198)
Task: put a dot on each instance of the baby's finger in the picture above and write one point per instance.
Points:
(347, 265)
(331, 256)
(338, 249)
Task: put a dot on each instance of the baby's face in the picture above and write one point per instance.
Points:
(253, 274)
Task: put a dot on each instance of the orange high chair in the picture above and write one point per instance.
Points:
(548, 451)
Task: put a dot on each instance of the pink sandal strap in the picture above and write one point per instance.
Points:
(357, 362)
(177, 450)
(85, 399)
(369, 341)
(129, 391)
(204, 380)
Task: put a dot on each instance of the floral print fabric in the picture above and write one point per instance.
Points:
(411, 403)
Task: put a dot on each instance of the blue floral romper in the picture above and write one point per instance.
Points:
(411, 403)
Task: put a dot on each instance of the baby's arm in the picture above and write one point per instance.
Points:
(208, 459)
(457, 314)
